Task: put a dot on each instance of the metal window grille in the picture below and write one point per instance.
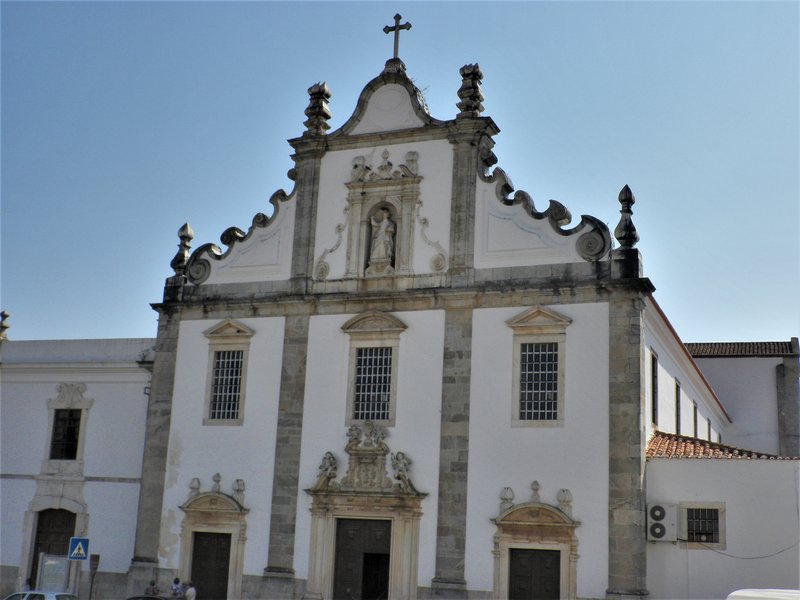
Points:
(227, 384)
(373, 383)
(702, 525)
(66, 429)
(538, 382)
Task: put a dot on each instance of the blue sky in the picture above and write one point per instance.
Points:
(122, 121)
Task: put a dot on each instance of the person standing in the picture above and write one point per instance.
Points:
(191, 592)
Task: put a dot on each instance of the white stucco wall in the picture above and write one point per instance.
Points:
(435, 167)
(574, 456)
(762, 524)
(674, 363)
(112, 431)
(417, 418)
(747, 387)
(235, 452)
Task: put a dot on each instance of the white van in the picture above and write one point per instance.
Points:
(764, 595)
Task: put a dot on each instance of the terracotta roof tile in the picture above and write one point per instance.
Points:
(720, 349)
(670, 445)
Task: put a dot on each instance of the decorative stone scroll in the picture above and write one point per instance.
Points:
(366, 467)
(594, 239)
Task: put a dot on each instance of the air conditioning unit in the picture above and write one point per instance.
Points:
(662, 522)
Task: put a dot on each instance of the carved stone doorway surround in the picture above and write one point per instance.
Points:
(536, 526)
(216, 512)
(365, 492)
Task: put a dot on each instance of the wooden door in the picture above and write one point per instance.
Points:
(54, 527)
(361, 570)
(534, 575)
(211, 553)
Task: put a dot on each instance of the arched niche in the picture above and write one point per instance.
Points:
(535, 526)
(215, 512)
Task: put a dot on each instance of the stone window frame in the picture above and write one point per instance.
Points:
(538, 325)
(683, 527)
(228, 335)
(70, 396)
(373, 329)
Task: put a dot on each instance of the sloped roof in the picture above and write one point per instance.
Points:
(671, 445)
(723, 349)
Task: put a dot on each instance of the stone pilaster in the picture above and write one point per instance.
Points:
(465, 137)
(287, 451)
(627, 545)
(788, 391)
(449, 579)
(308, 155)
(154, 461)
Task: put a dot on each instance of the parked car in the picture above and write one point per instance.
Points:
(41, 595)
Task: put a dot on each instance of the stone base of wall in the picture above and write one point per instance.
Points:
(8, 580)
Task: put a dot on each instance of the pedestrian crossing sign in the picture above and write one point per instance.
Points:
(78, 548)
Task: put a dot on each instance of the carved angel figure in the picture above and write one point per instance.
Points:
(327, 472)
(400, 464)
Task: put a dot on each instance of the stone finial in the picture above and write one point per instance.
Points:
(565, 501)
(3, 325)
(318, 112)
(625, 232)
(470, 92)
(238, 490)
(216, 479)
(194, 487)
(535, 492)
(506, 499)
(178, 263)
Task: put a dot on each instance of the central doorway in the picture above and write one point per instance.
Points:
(361, 568)
(211, 554)
(534, 575)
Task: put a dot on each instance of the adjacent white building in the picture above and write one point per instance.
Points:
(408, 381)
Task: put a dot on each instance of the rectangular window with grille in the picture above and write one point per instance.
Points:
(66, 432)
(226, 385)
(538, 389)
(373, 383)
(702, 525)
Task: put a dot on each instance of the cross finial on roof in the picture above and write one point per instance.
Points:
(396, 28)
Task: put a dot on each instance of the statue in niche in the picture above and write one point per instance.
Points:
(382, 244)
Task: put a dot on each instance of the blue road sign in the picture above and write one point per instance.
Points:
(78, 548)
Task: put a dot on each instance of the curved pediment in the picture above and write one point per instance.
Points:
(389, 102)
(374, 322)
(213, 502)
(535, 513)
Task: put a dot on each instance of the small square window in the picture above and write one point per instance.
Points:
(703, 524)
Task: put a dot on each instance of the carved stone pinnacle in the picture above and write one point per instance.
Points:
(625, 231)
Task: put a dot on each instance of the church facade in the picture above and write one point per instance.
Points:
(408, 381)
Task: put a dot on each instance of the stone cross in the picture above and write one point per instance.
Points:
(397, 27)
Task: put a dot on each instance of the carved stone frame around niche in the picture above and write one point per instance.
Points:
(536, 526)
(365, 199)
